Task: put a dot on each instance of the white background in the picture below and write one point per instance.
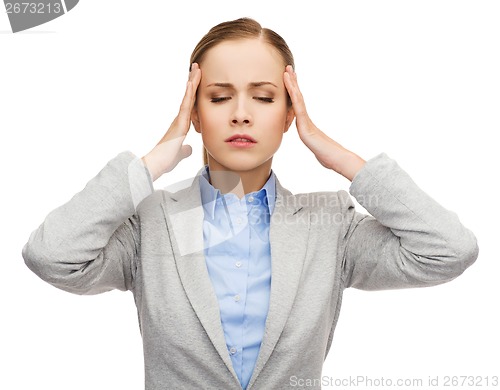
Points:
(417, 80)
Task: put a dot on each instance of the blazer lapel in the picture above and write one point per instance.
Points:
(288, 235)
(184, 215)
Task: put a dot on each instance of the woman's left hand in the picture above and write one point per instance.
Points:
(329, 153)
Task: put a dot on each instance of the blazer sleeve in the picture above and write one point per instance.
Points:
(409, 240)
(89, 245)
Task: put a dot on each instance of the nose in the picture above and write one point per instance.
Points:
(241, 114)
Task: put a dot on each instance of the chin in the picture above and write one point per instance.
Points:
(243, 163)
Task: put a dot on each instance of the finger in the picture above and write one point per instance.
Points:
(195, 80)
(195, 75)
(292, 86)
(295, 93)
(189, 98)
(304, 124)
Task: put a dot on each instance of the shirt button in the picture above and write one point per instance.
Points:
(232, 350)
(250, 199)
(236, 298)
(238, 264)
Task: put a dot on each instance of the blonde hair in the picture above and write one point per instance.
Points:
(242, 28)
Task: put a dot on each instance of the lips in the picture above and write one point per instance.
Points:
(241, 138)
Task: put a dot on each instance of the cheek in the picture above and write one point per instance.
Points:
(209, 119)
(275, 117)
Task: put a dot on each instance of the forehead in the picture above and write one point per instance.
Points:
(245, 60)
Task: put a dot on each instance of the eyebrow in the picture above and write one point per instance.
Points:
(252, 85)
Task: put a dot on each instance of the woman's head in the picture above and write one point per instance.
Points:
(241, 92)
(243, 28)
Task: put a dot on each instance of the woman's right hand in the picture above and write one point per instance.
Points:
(167, 153)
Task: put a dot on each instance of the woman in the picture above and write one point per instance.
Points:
(238, 283)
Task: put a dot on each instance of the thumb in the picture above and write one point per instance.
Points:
(185, 151)
(182, 153)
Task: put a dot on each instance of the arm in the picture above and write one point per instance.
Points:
(409, 240)
(89, 245)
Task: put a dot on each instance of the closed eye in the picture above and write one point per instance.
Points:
(265, 99)
(219, 99)
(222, 99)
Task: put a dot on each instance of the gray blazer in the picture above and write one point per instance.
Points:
(320, 245)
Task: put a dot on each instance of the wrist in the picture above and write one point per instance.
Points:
(148, 161)
(347, 163)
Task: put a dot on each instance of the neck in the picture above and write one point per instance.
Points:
(239, 183)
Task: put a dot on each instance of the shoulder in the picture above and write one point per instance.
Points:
(338, 200)
(183, 195)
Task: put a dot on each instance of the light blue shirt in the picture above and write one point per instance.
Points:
(238, 258)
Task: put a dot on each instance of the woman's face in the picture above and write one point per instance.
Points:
(241, 92)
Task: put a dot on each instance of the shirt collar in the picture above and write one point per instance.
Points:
(209, 194)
